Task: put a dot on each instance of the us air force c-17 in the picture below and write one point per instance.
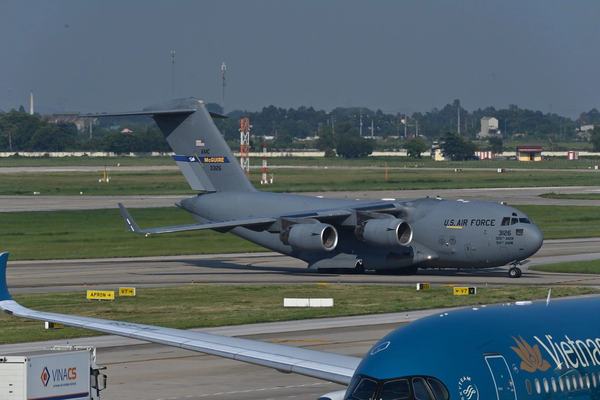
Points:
(332, 235)
(506, 352)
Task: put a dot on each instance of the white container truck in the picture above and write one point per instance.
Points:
(65, 372)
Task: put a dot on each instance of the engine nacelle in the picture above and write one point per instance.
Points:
(386, 232)
(311, 237)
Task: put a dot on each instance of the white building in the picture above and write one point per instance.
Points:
(489, 127)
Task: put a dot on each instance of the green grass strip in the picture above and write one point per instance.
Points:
(577, 267)
(197, 305)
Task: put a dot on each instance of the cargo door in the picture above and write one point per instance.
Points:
(503, 381)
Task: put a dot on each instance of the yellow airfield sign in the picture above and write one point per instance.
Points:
(100, 295)
(464, 291)
(126, 291)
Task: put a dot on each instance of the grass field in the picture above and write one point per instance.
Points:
(43, 235)
(574, 196)
(579, 267)
(216, 305)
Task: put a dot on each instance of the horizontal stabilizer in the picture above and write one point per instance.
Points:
(247, 222)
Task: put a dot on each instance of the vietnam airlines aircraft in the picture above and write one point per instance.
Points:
(507, 352)
(332, 235)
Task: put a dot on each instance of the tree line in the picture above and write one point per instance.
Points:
(339, 130)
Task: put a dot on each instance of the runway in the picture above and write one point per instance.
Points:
(512, 196)
(272, 268)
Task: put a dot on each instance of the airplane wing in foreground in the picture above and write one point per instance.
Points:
(317, 364)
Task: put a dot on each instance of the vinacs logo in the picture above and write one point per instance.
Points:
(45, 376)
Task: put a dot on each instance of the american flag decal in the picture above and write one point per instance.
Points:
(199, 143)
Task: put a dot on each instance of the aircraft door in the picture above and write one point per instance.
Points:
(505, 388)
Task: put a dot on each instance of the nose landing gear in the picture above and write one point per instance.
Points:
(514, 271)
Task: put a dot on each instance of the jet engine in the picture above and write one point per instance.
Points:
(385, 232)
(311, 237)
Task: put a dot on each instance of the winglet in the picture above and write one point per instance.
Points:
(129, 221)
(4, 294)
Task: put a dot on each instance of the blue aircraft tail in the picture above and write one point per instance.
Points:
(4, 294)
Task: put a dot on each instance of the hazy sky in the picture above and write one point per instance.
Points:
(116, 55)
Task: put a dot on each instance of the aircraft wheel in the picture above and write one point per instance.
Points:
(514, 272)
(359, 267)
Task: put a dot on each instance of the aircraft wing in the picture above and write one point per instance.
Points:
(255, 223)
(317, 364)
(248, 223)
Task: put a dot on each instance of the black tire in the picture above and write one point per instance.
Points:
(359, 267)
(514, 272)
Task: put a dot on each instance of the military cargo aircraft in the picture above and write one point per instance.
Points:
(507, 352)
(332, 235)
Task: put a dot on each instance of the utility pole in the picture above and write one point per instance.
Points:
(458, 110)
(405, 122)
(372, 129)
(173, 73)
(360, 122)
(223, 69)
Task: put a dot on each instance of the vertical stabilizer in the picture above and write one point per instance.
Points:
(201, 153)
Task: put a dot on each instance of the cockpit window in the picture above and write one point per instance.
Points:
(514, 221)
(505, 221)
(439, 390)
(395, 390)
(421, 389)
(406, 388)
(365, 390)
(524, 220)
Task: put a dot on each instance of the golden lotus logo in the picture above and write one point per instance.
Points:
(531, 356)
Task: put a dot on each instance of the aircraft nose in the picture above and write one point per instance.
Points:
(534, 239)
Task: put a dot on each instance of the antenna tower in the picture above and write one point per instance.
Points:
(245, 145)
(173, 72)
(223, 69)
